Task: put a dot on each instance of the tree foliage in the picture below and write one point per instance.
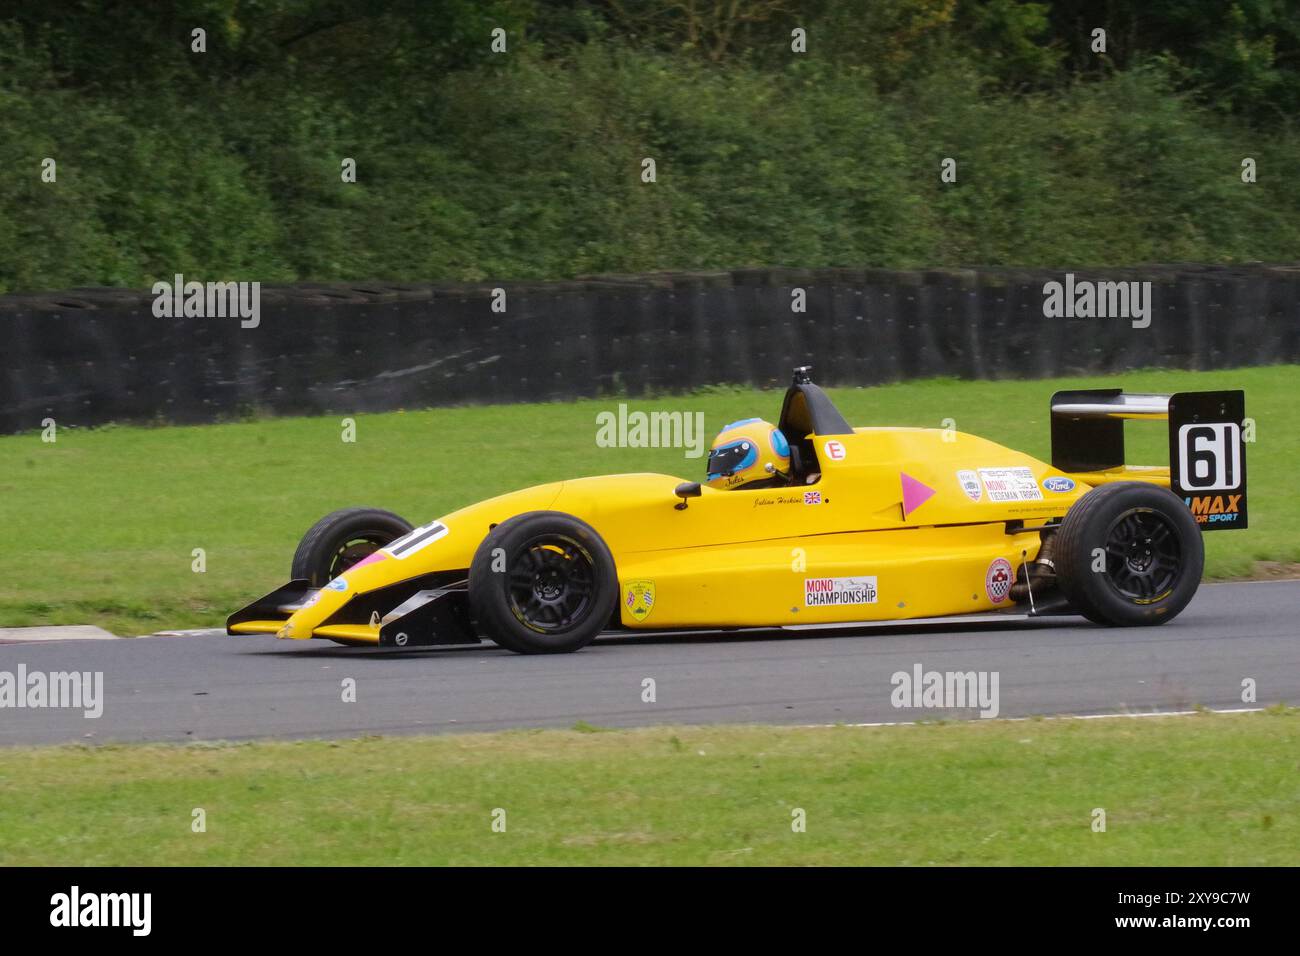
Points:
(474, 164)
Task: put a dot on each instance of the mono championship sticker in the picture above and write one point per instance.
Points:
(830, 592)
(1010, 484)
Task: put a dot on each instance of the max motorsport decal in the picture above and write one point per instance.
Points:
(1212, 509)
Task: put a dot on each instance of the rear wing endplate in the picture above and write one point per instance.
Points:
(1207, 449)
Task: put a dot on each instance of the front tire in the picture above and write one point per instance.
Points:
(542, 583)
(1145, 546)
(342, 538)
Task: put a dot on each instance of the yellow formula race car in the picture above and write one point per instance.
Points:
(874, 525)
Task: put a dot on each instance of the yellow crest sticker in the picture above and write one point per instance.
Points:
(639, 598)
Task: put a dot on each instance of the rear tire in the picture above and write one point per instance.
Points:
(342, 538)
(1154, 555)
(542, 583)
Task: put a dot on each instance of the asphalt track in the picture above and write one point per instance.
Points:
(234, 688)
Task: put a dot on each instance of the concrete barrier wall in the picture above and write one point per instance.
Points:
(91, 356)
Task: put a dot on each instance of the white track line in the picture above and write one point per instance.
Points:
(1151, 713)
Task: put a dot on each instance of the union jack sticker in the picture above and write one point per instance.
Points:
(812, 497)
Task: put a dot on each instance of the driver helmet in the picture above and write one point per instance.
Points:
(746, 452)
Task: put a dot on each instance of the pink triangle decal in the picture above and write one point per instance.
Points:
(915, 493)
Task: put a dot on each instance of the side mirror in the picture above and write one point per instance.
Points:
(687, 489)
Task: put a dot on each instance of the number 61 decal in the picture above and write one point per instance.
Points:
(1207, 457)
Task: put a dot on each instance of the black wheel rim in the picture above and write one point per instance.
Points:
(552, 579)
(356, 548)
(1143, 557)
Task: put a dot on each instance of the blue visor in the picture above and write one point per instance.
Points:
(732, 457)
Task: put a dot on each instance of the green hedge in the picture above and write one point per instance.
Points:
(530, 168)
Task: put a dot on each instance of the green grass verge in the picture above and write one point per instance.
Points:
(100, 526)
(1209, 789)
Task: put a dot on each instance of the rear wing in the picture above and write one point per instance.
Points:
(1207, 450)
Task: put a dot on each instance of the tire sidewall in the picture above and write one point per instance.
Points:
(1094, 593)
(316, 550)
(489, 594)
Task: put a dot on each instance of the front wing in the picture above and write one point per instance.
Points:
(419, 613)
